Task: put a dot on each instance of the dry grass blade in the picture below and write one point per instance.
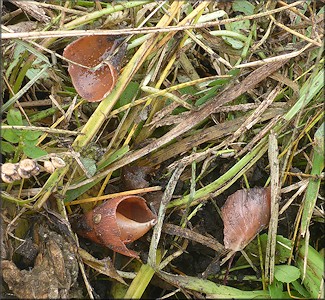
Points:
(195, 117)
(275, 197)
(152, 259)
(194, 236)
(104, 266)
(32, 9)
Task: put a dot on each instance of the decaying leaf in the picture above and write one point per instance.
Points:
(245, 214)
(135, 177)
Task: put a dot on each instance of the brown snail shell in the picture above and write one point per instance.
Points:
(245, 214)
(90, 51)
(116, 222)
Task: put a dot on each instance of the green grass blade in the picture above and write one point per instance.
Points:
(230, 176)
(308, 91)
(211, 289)
(141, 281)
(22, 91)
(314, 184)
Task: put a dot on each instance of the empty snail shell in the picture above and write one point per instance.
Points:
(48, 166)
(90, 51)
(57, 162)
(9, 173)
(245, 214)
(116, 222)
(28, 167)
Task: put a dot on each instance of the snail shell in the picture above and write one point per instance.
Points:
(9, 173)
(116, 222)
(57, 162)
(90, 51)
(48, 167)
(28, 167)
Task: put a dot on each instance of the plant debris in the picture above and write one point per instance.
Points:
(198, 109)
(54, 274)
(244, 215)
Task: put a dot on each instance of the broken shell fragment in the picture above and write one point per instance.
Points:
(116, 222)
(9, 173)
(89, 52)
(27, 167)
(245, 214)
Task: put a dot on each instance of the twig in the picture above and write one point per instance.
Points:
(295, 32)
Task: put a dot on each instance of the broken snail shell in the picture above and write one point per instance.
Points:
(116, 222)
(89, 51)
(245, 214)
